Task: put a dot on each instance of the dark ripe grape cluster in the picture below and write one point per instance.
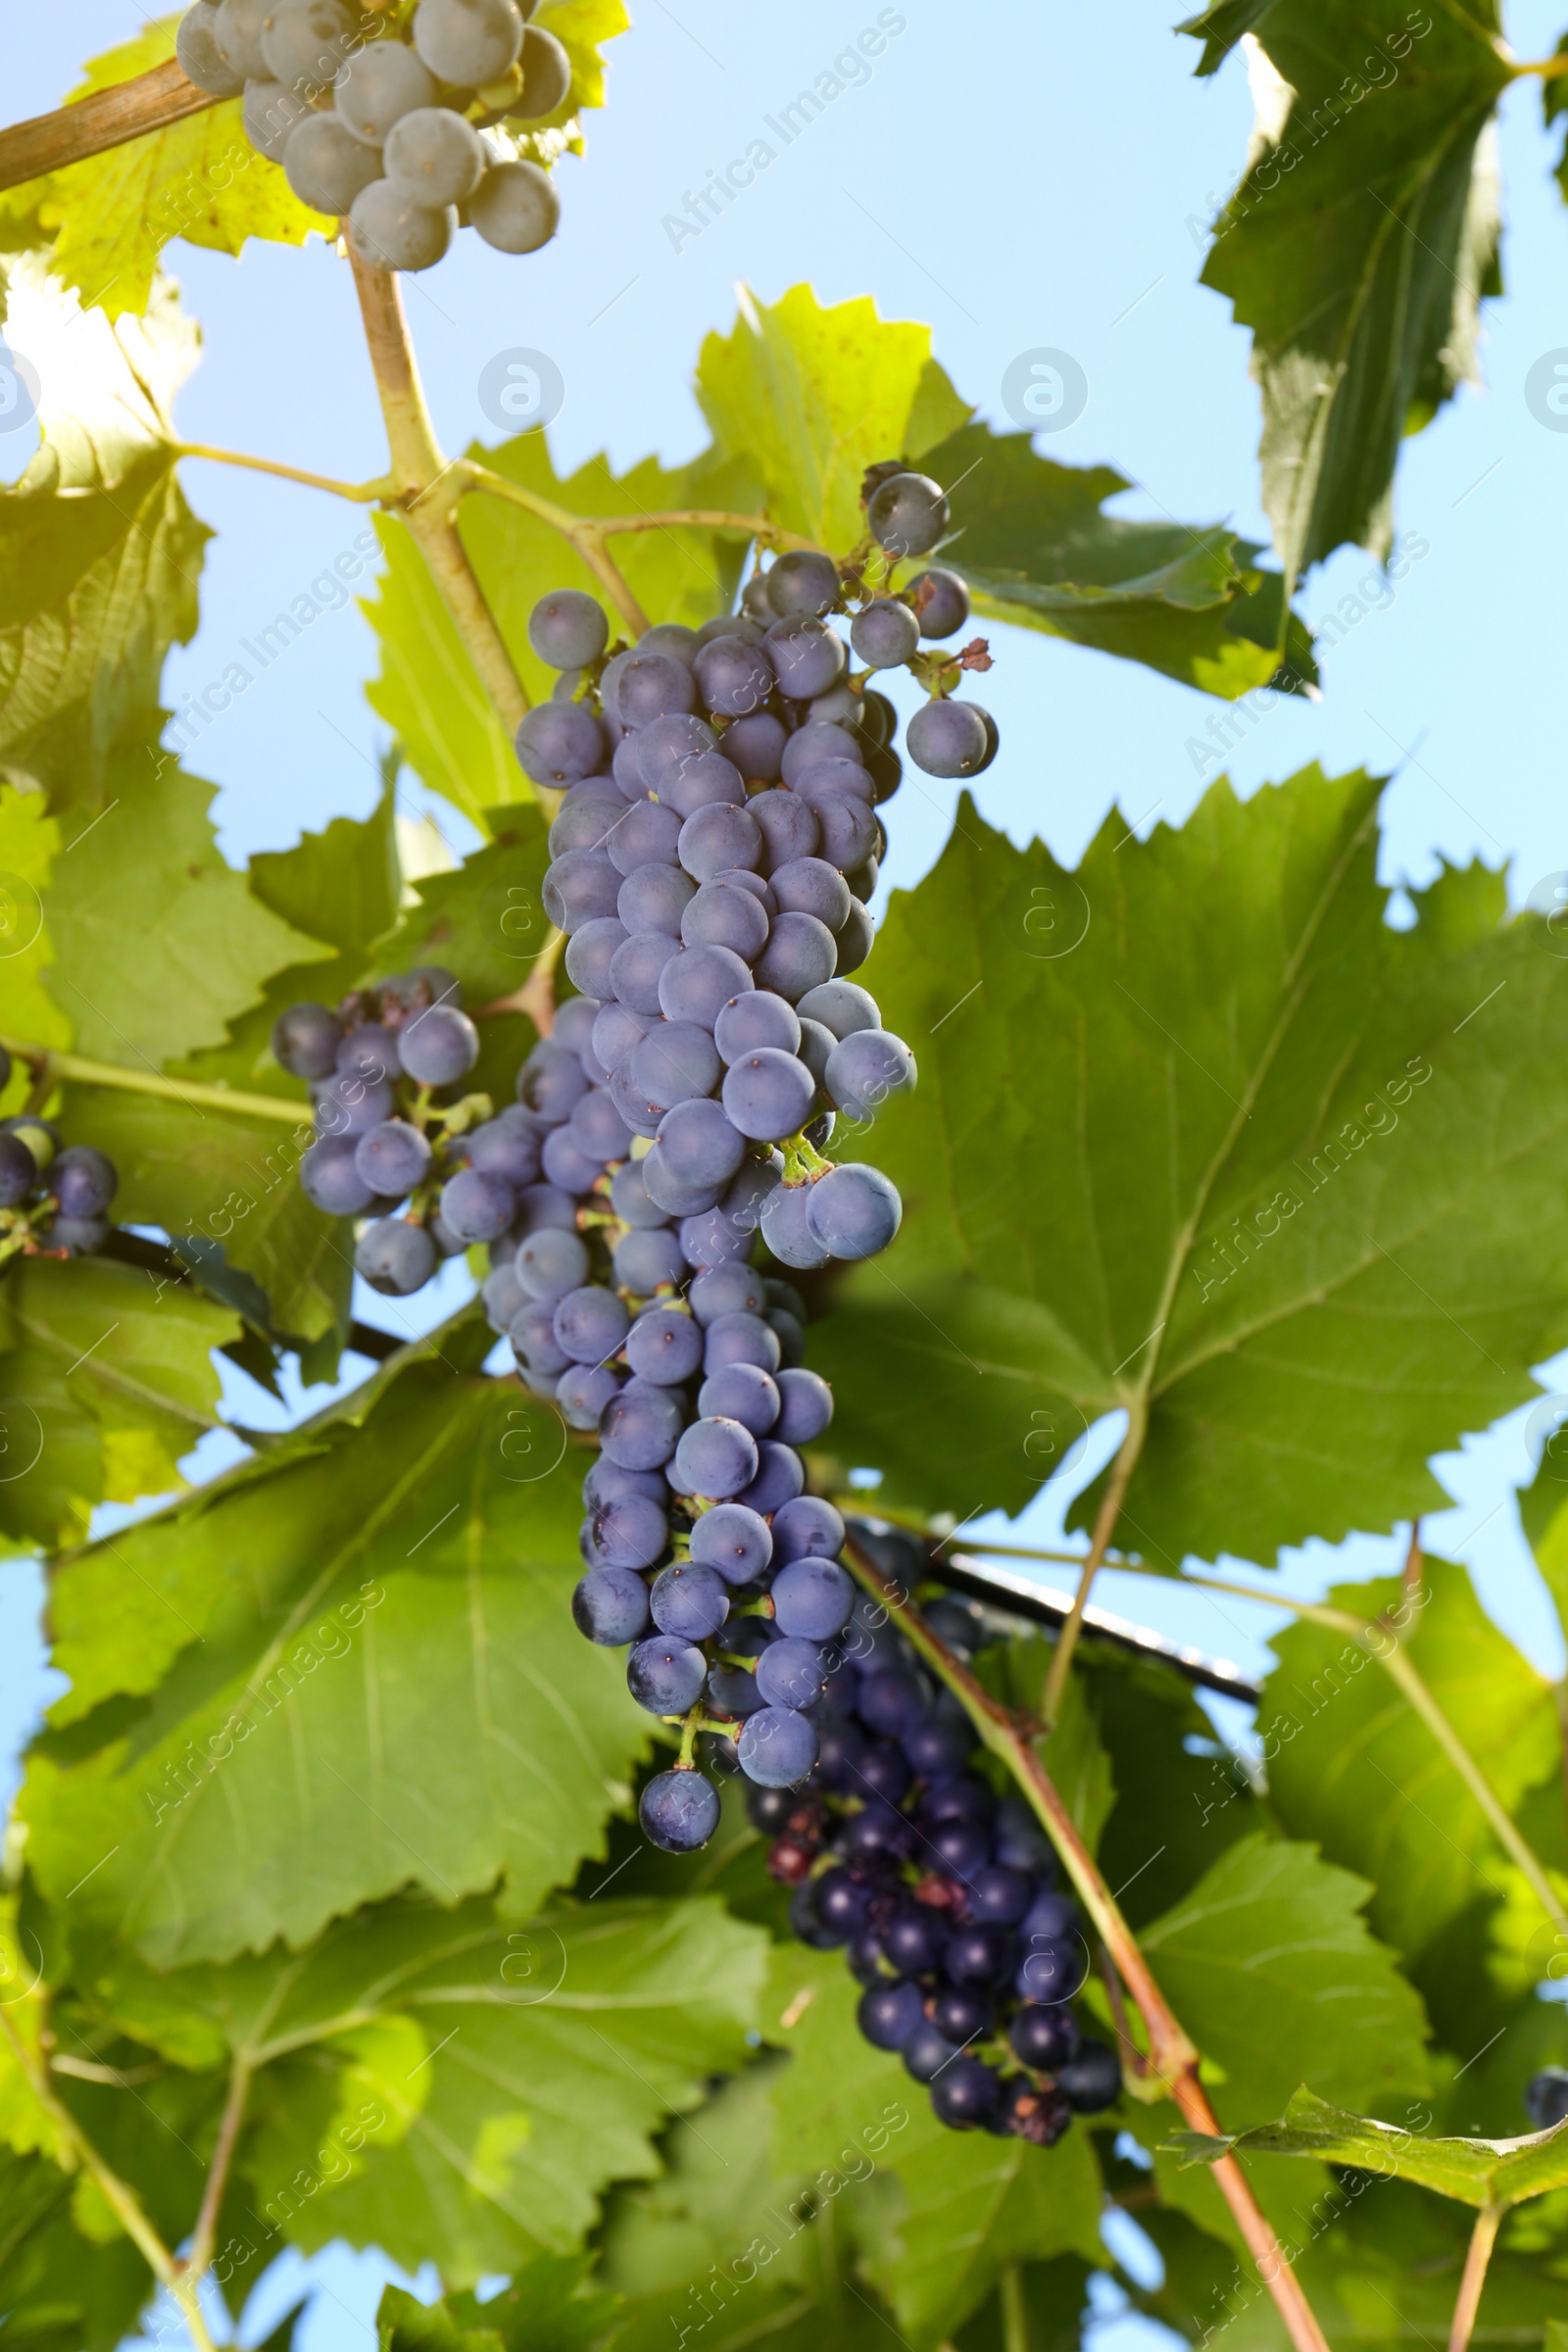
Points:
(53, 1197)
(386, 1073)
(386, 130)
(942, 1895)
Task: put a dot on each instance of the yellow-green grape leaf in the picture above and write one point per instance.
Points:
(99, 553)
(29, 841)
(159, 940)
(815, 394)
(25, 2124)
(104, 1385)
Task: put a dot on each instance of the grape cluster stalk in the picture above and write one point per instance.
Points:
(395, 135)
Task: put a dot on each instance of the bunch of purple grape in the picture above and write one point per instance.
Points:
(386, 1072)
(942, 1895)
(53, 1196)
(385, 130)
(628, 1300)
(711, 858)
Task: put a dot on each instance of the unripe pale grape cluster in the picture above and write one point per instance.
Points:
(54, 1198)
(377, 130)
(943, 1897)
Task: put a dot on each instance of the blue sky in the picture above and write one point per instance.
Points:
(1023, 177)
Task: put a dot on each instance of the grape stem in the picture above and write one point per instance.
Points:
(1172, 2057)
(707, 518)
(102, 120)
(803, 1162)
(204, 2237)
(427, 497)
(582, 533)
(1110, 1512)
(585, 532)
(117, 2195)
(1467, 2302)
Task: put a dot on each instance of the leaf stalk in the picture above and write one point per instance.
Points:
(1467, 2303)
(52, 1068)
(383, 491)
(1105, 1519)
(204, 2239)
(583, 533)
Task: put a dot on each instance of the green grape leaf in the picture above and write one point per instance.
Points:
(723, 2244)
(394, 1692)
(150, 2133)
(969, 2205)
(30, 843)
(99, 553)
(1358, 244)
(536, 2108)
(1334, 1730)
(402, 2324)
(428, 690)
(228, 1181)
(484, 922)
(1198, 1134)
(1270, 1967)
(1056, 2300)
(1385, 2261)
(61, 2293)
(706, 2211)
(343, 885)
(813, 394)
(476, 2082)
(547, 2307)
(103, 1387)
(1180, 1799)
(26, 2127)
(1473, 2171)
(199, 178)
(1030, 538)
(1554, 105)
(1016, 1673)
(1544, 1516)
(158, 942)
(1220, 27)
